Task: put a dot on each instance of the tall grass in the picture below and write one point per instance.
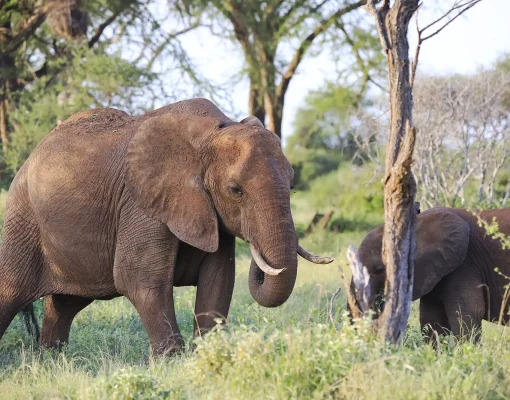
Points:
(289, 352)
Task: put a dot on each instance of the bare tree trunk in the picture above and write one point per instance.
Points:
(482, 182)
(256, 104)
(507, 195)
(400, 186)
(399, 240)
(3, 118)
(275, 115)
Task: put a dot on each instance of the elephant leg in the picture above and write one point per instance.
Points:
(465, 309)
(156, 309)
(215, 286)
(21, 264)
(59, 312)
(433, 318)
(144, 266)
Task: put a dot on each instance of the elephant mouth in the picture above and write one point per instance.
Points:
(266, 268)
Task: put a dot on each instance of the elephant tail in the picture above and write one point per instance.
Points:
(31, 321)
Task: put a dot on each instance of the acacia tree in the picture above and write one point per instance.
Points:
(29, 52)
(57, 57)
(399, 242)
(262, 28)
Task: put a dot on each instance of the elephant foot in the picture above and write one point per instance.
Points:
(172, 347)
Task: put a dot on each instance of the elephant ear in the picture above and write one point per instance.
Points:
(253, 121)
(441, 246)
(165, 174)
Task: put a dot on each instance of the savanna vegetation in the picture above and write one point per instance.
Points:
(55, 62)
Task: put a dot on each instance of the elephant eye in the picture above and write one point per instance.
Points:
(235, 190)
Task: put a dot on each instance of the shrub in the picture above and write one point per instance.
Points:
(131, 384)
(310, 164)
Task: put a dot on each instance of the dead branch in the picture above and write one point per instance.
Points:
(360, 279)
(351, 296)
(331, 317)
(458, 8)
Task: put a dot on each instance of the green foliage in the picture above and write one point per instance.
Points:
(294, 364)
(131, 384)
(492, 229)
(358, 202)
(310, 164)
(94, 79)
(328, 130)
(57, 66)
(325, 119)
(288, 352)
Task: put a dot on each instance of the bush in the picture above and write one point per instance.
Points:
(292, 364)
(318, 362)
(310, 164)
(131, 384)
(358, 203)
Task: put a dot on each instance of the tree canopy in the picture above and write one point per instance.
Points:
(58, 57)
(276, 35)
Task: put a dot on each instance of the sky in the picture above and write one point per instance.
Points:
(474, 40)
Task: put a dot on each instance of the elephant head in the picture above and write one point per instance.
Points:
(204, 174)
(441, 246)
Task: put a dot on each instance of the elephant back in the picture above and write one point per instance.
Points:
(199, 107)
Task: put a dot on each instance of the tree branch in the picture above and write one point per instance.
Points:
(303, 47)
(241, 32)
(100, 29)
(156, 53)
(30, 26)
(380, 14)
(284, 18)
(466, 6)
(458, 5)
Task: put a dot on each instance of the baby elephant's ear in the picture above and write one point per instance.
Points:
(441, 246)
(165, 174)
(254, 121)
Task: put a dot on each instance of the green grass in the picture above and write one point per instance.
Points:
(290, 352)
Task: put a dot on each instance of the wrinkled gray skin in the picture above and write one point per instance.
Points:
(109, 205)
(454, 269)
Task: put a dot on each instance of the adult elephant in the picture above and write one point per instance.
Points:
(454, 269)
(109, 205)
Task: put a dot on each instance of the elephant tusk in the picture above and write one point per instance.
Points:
(315, 259)
(262, 264)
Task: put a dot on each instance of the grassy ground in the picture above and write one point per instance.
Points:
(291, 352)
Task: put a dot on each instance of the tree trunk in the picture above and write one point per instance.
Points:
(507, 195)
(482, 182)
(273, 104)
(256, 104)
(400, 186)
(3, 121)
(322, 219)
(275, 115)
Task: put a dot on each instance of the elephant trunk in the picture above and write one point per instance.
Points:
(272, 282)
(274, 246)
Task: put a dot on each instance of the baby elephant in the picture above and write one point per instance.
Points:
(455, 274)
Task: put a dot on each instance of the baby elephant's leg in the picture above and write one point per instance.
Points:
(466, 308)
(433, 318)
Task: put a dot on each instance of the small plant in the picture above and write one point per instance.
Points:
(131, 384)
(492, 229)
